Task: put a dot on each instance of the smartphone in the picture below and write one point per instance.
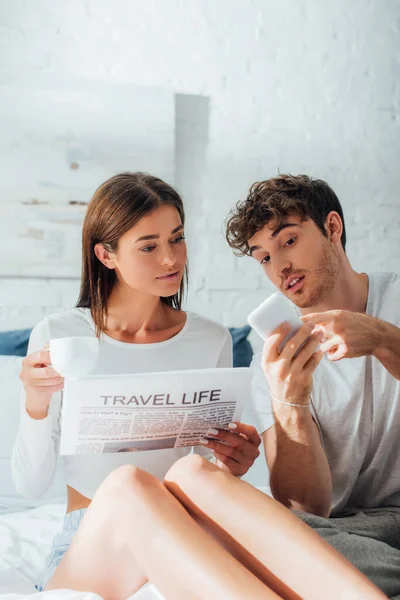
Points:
(271, 313)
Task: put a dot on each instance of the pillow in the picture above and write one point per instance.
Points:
(14, 343)
(10, 398)
(242, 350)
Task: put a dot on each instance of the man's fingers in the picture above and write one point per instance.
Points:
(292, 346)
(331, 344)
(322, 318)
(273, 342)
(337, 352)
(308, 349)
(314, 361)
(316, 318)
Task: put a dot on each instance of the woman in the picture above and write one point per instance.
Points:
(133, 275)
(201, 534)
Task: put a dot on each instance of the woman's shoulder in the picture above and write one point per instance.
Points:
(66, 323)
(200, 323)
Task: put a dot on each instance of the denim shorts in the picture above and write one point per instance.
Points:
(60, 544)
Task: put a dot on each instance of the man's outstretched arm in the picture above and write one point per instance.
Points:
(350, 334)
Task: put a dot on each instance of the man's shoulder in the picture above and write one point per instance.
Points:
(385, 278)
(384, 295)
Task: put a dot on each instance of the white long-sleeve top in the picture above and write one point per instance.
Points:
(201, 344)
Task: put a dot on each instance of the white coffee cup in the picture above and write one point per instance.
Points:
(74, 356)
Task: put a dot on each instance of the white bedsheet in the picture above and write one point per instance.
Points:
(25, 539)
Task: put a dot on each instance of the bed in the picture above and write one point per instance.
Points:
(25, 538)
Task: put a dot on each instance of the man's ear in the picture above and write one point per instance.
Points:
(104, 256)
(334, 226)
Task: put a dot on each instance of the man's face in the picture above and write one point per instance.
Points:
(298, 259)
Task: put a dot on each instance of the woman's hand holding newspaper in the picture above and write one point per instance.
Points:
(235, 450)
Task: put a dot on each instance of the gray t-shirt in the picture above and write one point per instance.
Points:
(356, 404)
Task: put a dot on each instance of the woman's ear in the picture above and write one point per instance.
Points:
(334, 226)
(104, 256)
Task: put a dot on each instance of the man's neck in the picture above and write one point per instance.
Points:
(350, 293)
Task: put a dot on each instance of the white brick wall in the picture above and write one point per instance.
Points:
(299, 86)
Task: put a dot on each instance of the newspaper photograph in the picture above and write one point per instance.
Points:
(150, 411)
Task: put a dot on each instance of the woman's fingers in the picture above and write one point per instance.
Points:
(244, 429)
(37, 370)
(43, 373)
(40, 380)
(39, 358)
(241, 446)
(227, 451)
(235, 467)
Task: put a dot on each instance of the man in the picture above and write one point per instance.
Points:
(329, 415)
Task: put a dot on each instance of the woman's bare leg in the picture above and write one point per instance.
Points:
(265, 536)
(135, 530)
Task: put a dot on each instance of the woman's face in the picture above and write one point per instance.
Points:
(151, 256)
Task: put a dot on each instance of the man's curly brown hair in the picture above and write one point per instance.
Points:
(275, 199)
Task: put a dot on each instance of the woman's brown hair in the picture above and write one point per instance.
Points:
(116, 206)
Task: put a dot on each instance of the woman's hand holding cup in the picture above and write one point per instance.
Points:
(40, 381)
(43, 372)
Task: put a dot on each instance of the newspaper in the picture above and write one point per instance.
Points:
(151, 411)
